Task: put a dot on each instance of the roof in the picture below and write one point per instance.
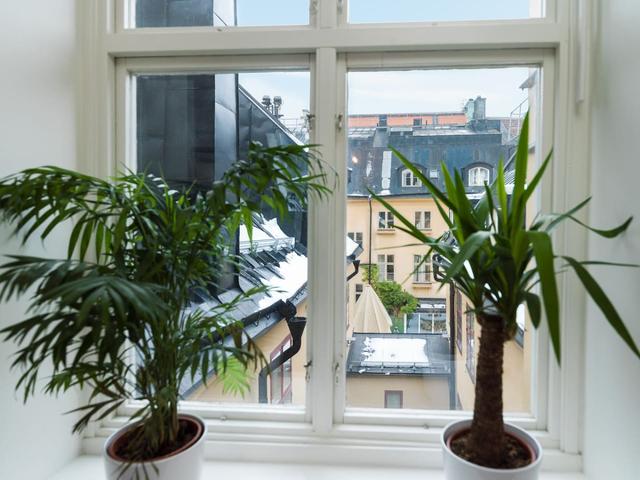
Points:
(399, 354)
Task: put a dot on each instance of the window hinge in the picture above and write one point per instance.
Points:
(336, 372)
(307, 371)
(339, 122)
(340, 6)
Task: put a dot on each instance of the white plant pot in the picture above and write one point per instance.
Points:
(456, 468)
(185, 465)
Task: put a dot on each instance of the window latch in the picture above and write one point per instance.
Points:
(339, 121)
(336, 372)
(307, 371)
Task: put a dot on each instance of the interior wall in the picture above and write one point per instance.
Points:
(612, 411)
(37, 126)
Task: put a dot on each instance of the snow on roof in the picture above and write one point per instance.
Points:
(520, 316)
(351, 246)
(394, 350)
(292, 276)
(256, 234)
(273, 229)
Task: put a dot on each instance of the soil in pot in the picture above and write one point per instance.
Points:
(189, 433)
(517, 453)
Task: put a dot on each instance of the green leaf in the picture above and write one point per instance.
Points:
(543, 251)
(471, 245)
(600, 298)
(534, 307)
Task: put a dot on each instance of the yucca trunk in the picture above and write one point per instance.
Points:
(486, 441)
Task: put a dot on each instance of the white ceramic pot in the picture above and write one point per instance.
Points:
(185, 465)
(456, 468)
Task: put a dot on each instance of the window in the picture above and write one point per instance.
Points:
(410, 180)
(386, 268)
(359, 287)
(378, 11)
(220, 13)
(393, 398)
(408, 52)
(478, 176)
(385, 221)
(281, 376)
(471, 359)
(356, 237)
(421, 269)
(423, 220)
(417, 122)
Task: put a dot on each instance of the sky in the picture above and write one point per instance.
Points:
(393, 92)
(296, 12)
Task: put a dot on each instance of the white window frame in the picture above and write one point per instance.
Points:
(420, 219)
(329, 48)
(386, 220)
(422, 270)
(412, 182)
(474, 173)
(384, 262)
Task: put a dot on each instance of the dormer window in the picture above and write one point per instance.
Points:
(478, 176)
(409, 179)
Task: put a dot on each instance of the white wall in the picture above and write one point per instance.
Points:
(612, 408)
(37, 126)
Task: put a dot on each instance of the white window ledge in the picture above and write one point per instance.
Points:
(91, 468)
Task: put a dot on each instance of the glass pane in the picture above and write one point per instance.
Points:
(381, 11)
(406, 333)
(190, 130)
(221, 13)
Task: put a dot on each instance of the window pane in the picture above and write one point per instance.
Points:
(421, 339)
(190, 130)
(229, 13)
(381, 11)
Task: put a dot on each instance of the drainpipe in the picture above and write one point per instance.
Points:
(370, 239)
(296, 328)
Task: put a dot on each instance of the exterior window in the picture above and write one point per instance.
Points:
(409, 179)
(393, 399)
(386, 268)
(356, 237)
(385, 220)
(281, 391)
(433, 173)
(382, 121)
(359, 288)
(421, 269)
(423, 220)
(471, 363)
(417, 122)
(478, 176)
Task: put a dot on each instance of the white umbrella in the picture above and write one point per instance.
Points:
(369, 315)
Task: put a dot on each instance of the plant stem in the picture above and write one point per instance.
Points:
(486, 441)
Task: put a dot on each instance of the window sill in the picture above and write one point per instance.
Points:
(91, 467)
(386, 231)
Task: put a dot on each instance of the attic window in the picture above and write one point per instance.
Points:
(409, 179)
(478, 176)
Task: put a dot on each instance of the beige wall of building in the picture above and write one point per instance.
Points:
(393, 242)
(267, 343)
(431, 392)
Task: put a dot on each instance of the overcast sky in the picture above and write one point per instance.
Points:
(394, 92)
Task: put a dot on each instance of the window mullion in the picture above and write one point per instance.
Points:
(326, 253)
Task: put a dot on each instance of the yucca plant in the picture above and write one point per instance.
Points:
(500, 263)
(114, 316)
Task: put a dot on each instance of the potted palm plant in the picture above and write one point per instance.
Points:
(115, 318)
(499, 263)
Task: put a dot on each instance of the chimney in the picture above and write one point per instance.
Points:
(266, 102)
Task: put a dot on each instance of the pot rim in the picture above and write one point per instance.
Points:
(518, 432)
(163, 459)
